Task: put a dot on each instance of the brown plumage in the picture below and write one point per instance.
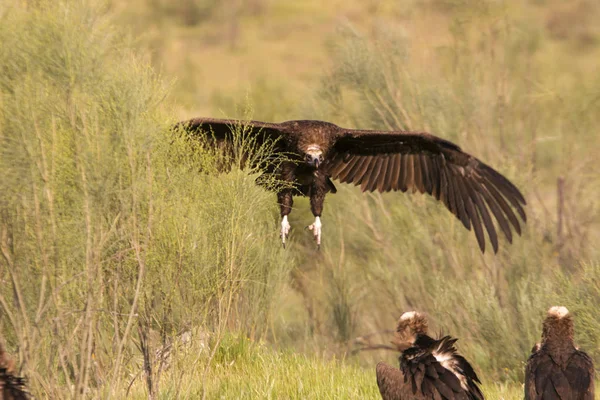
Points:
(556, 369)
(384, 161)
(12, 387)
(429, 368)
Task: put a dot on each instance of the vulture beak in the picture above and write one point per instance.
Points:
(313, 160)
(314, 156)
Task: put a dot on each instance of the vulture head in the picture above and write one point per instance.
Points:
(558, 325)
(313, 155)
(410, 325)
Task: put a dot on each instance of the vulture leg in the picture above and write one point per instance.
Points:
(315, 227)
(285, 203)
(285, 229)
(285, 200)
(317, 192)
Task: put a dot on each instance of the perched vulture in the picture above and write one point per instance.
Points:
(378, 160)
(556, 369)
(429, 368)
(11, 387)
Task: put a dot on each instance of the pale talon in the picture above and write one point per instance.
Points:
(315, 227)
(285, 229)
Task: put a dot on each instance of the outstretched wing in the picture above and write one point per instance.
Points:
(414, 161)
(261, 143)
(222, 129)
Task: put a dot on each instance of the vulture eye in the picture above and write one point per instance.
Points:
(320, 158)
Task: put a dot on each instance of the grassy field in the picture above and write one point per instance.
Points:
(125, 272)
(245, 370)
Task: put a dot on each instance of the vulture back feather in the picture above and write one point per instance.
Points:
(557, 369)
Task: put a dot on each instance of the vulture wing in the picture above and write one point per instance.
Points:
(580, 374)
(544, 379)
(390, 382)
(243, 139)
(428, 378)
(222, 129)
(445, 352)
(470, 189)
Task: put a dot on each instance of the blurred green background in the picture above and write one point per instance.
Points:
(127, 273)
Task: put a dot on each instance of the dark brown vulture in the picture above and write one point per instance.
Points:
(556, 369)
(11, 387)
(379, 160)
(429, 368)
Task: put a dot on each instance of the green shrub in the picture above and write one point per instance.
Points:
(112, 240)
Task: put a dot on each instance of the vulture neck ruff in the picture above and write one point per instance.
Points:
(558, 334)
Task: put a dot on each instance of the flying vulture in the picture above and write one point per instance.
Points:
(556, 369)
(378, 160)
(429, 368)
(11, 387)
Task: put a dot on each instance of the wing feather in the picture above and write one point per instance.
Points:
(239, 140)
(390, 381)
(356, 167)
(366, 182)
(430, 377)
(362, 171)
(460, 198)
(396, 163)
(402, 182)
(384, 181)
(410, 172)
(426, 173)
(485, 215)
(505, 207)
(346, 169)
(580, 374)
(444, 187)
(221, 129)
(342, 168)
(497, 211)
(474, 192)
(434, 171)
(375, 173)
(474, 217)
(417, 174)
(452, 188)
(508, 190)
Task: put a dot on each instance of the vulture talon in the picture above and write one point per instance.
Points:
(315, 227)
(285, 229)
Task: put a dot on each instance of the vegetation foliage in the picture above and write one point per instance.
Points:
(130, 266)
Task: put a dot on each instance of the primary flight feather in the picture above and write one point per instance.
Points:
(379, 160)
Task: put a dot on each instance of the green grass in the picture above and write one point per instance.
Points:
(246, 370)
